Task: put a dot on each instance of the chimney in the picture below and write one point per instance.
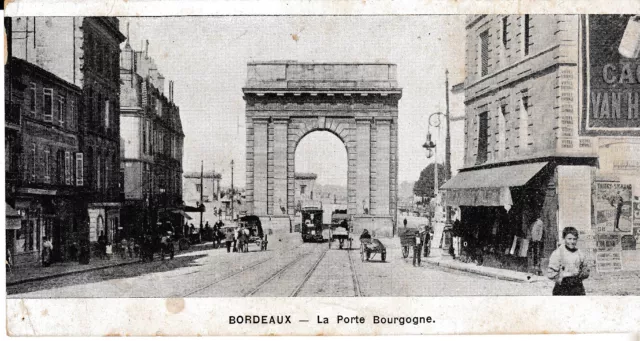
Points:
(160, 83)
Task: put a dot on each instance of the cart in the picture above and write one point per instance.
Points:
(256, 234)
(372, 247)
(341, 234)
(407, 240)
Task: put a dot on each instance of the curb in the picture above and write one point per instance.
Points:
(513, 278)
(61, 274)
(196, 247)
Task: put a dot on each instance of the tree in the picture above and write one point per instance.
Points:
(424, 186)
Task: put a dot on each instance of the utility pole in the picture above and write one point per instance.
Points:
(447, 146)
(201, 190)
(232, 196)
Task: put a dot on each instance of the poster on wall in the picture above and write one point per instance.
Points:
(613, 207)
(636, 220)
(611, 87)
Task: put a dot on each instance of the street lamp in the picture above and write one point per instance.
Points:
(431, 150)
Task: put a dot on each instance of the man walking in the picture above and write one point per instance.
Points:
(537, 230)
(417, 249)
(229, 239)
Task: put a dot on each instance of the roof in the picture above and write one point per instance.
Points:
(458, 88)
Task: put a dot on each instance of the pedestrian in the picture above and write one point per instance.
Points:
(428, 236)
(229, 239)
(417, 248)
(102, 242)
(537, 230)
(456, 243)
(236, 234)
(405, 223)
(568, 266)
(365, 238)
(47, 249)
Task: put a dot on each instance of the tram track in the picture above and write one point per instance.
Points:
(298, 288)
(237, 273)
(354, 276)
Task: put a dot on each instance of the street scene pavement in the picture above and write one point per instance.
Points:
(288, 268)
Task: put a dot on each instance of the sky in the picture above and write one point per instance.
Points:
(207, 57)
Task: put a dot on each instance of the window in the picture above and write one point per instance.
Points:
(72, 114)
(524, 120)
(107, 117)
(48, 105)
(61, 112)
(67, 168)
(33, 162)
(526, 21)
(144, 137)
(502, 132)
(484, 53)
(483, 137)
(79, 169)
(47, 165)
(505, 33)
(98, 172)
(32, 100)
(107, 173)
(302, 188)
(198, 188)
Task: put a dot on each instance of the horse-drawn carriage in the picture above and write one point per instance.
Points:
(341, 229)
(256, 233)
(408, 237)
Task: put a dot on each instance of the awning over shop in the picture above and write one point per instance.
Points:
(488, 187)
(182, 213)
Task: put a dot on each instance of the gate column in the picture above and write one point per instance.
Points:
(280, 169)
(260, 140)
(363, 164)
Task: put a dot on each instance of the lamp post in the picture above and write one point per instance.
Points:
(232, 196)
(431, 149)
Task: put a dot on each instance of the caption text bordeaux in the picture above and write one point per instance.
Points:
(339, 319)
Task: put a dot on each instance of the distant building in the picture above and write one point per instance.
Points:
(152, 144)
(192, 188)
(304, 185)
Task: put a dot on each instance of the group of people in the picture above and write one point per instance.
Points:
(237, 239)
(568, 266)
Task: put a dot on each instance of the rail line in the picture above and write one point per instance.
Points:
(236, 273)
(354, 276)
(297, 290)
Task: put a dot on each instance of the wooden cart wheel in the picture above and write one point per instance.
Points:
(405, 251)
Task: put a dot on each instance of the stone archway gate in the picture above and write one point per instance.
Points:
(358, 103)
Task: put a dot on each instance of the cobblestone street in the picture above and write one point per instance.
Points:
(288, 268)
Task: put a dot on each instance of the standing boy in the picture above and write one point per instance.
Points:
(568, 266)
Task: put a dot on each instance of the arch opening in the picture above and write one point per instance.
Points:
(321, 172)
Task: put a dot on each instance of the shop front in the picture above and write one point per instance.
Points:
(499, 207)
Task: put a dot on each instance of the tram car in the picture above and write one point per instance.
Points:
(311, 225)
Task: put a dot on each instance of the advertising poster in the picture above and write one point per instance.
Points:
(636, 219)
(613, 207)
(611, 85)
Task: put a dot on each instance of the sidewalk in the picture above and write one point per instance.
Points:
(436, 258)
(32, 272)
(35, 271)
